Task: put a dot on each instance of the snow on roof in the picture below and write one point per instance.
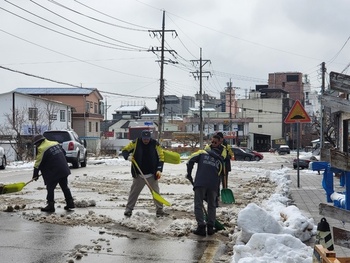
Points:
(66, 91)
(204, 109)
(131, 108)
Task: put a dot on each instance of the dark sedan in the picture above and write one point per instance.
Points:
(304, 162)
(242, 155)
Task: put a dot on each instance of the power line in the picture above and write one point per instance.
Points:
(39, 77)
(90, 17)
(72, 85)
(84, 26)
(122, 47)
(89, 63)
(61, 33)
(146, 29)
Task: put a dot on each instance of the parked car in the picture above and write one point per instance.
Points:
(75, 148)
(242, 155)
(304, 161)
(257, 156)
(2, 159)
(283, 149)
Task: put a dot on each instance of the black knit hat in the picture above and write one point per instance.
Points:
(38, 138)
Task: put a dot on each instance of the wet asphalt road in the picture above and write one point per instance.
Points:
(32, 242)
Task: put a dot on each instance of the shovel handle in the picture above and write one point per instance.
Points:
(29, 181)
(32, 180)
(225, 181)
(142, 175)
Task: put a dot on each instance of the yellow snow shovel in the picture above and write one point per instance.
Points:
(155, 195)
(13, 188)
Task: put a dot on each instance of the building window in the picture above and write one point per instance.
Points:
(292, 78)
(95, 107)
(33, 114)
(62, 115)
(259, 126)
(90, 126)
(96, 127)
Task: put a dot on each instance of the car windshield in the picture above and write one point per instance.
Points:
(57, 136)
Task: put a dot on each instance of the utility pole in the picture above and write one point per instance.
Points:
(105, 113)
(160, 101)
(323, 114)
(229, 84)
(200, 76)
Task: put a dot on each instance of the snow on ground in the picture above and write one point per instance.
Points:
(260, 226)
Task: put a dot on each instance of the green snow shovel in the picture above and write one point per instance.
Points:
(218, 225)
(155, 195)
(227, 194)
(13, 188)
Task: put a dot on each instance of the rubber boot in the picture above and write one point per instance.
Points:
(50, 208)
(70, 204)
(200, 231)
(210, 230)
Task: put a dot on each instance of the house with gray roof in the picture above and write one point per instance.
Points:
(87, 114)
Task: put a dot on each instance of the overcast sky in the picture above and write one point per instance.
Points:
(106, 44)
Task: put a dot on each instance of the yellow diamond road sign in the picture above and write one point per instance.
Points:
(297, 114)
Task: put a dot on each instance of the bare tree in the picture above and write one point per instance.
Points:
(24, 123)
(12, 129)
(329, 128)
(51, 113)
(191, 139)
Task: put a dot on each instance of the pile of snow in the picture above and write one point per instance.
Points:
(273, 232)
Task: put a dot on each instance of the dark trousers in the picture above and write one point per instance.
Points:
(199, 194)
(63, 182)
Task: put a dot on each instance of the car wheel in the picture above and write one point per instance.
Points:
(3, 163)
(83, 164)
(76, 162)
(257, 158)
(247, 158)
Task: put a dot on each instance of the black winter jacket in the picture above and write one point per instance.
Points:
(209, 168)
(150, 157)
(51, 161)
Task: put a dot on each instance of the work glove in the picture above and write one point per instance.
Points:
(158, 175)
(35, 174)
(130, 158)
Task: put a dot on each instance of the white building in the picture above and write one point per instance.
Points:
(25, 115)
(267, 118)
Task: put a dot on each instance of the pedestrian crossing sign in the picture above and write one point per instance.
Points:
(297, 114)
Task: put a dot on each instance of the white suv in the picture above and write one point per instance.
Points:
(75, 148)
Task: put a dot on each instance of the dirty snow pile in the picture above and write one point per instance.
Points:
(273, 232)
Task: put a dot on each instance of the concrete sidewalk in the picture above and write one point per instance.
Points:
(309, 195)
